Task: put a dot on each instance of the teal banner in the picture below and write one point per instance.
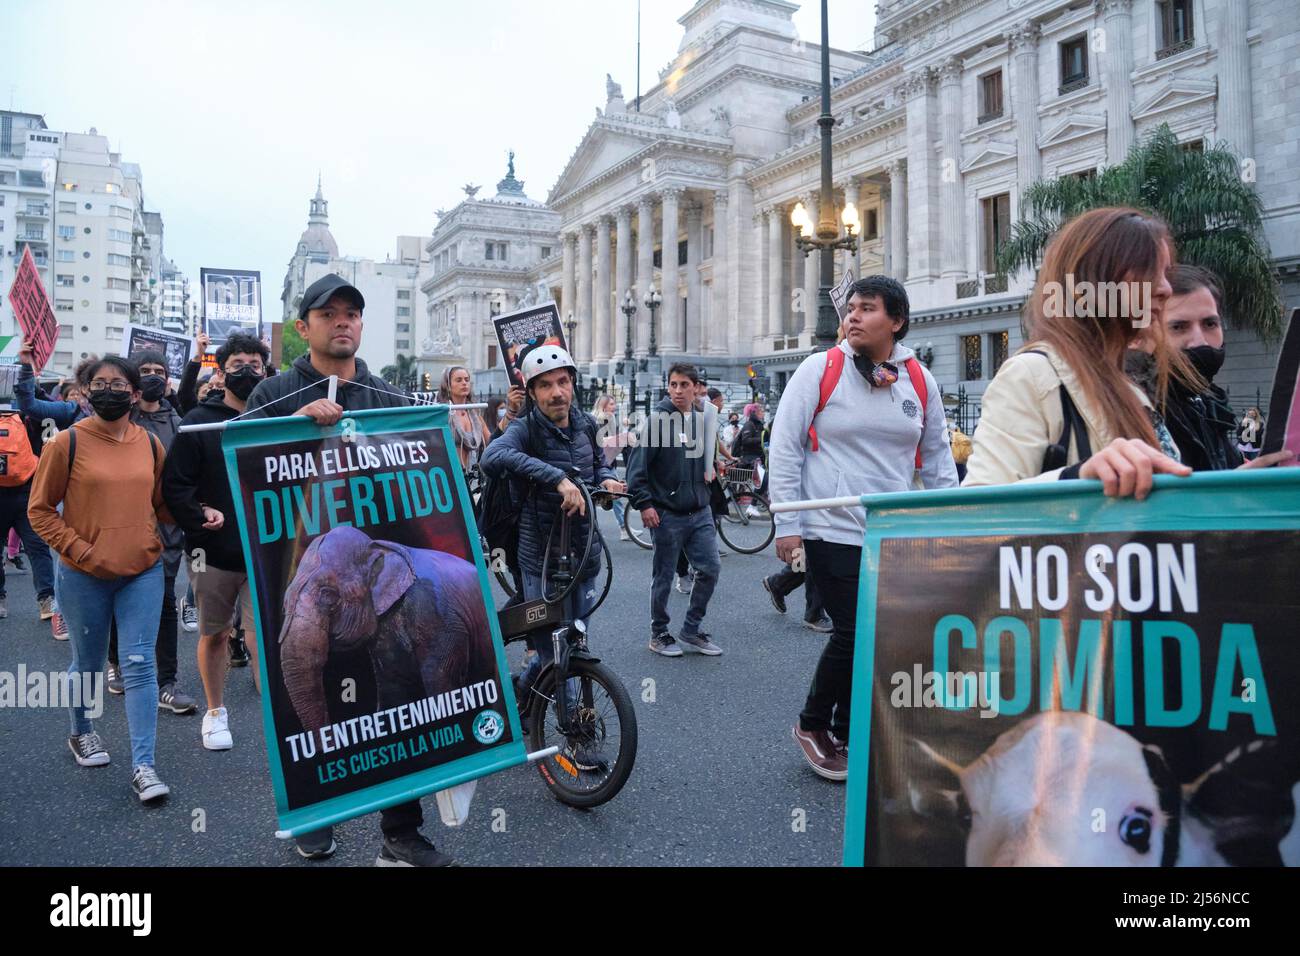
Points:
(1047, 676)
(383, 672)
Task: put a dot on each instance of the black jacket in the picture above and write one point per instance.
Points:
(749, 441)
(195, 475)
(1203, 427)
(665, 472)
(274, 397)
(163, 425)
(535, 450)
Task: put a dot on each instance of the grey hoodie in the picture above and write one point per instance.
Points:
(867, 437)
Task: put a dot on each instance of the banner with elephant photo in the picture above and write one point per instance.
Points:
(1046, 676)
(382, 665)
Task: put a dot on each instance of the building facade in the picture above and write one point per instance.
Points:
(960, 105)
(28, 161)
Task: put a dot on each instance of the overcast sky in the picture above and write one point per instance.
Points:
(231, 107)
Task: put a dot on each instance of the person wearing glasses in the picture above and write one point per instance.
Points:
(97, 502)
(198, 495)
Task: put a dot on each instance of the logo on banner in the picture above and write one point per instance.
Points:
(488, 727)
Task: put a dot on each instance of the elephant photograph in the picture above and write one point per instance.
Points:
(418, 614)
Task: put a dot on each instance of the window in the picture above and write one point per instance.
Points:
(871, 228)
(997, 225)
(63, 206)
(122, 212)
(118, 235)
(492, 356)
(490, 251)
(116, 308)
(681, 253)
(63, 305)
(403, 310)
(496, 251)
(27, 177)
(67, 232)
(404, 328)
(123, 285)
(546, 252)
(1085, 174)
(403, 343)
(999, 342)
(658, 260)
(67, 282)
(1074, 64)
(403, 293)
(116, 260)
(1193, 146)
(1175, 27)
(972, 354)
(66, 255)
(708, 243)
(990, 96)
(2, 198)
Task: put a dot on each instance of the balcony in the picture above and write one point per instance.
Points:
(1073, 83)
(990, 285)
(1165, 52)
(34, 212)
(32, 239)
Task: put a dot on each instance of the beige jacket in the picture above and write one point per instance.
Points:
(1021, 417)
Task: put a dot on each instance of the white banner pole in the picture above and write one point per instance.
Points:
(817, 504)
(221, 426)
(333, 389)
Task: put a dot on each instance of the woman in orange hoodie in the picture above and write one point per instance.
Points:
(96, 501)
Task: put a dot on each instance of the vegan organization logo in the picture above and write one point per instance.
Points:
(488, 727)
(909, 408)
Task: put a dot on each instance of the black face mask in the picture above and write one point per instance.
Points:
(1206, 359)
(110, 406)
(152, 387)
(241, 382)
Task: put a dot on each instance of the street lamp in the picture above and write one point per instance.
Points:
(824, 236)
(629, 309)
(652, 302)
(926, 354)
(570, 324)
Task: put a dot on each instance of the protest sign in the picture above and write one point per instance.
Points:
(176, 348)
(232, 302)
(32, 308)
(840, 294)
(383, 671)
(1044, 675)
(519, 331)
(1283, 424)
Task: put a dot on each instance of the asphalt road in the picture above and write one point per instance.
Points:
(717, 781)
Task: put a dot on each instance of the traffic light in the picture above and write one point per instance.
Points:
(428, 382)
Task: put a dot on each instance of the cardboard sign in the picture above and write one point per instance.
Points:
(520, 331)
(232, 302)
(176, 348)
(840, 294)
(1282, 428)
(32, 308)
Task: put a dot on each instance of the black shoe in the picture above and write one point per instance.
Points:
(317, 845)
(778, 601)
(411, 850)
(238, 650)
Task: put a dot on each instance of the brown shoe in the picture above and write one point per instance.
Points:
(820, 750)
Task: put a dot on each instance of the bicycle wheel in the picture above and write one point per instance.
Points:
(596, 757)
(745, 531)
(609, 575)
(636, 530)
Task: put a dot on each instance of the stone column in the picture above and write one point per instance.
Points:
(1117, 64)
(1236, 112)
(600, 313)
(759, 308)
(582, 334)
(623, 276)
(645, 239)
(1024, 50)
(670, 325)
(950, 176)
(694, 230)
(812, 277)
(569, 287)
(922, 177)
(897, 219)
(853, 194)
(717, 336)
(777, 304)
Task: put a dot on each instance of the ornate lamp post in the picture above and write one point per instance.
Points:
(629, 310)
(652, 302)
(570, 325)
(824, 236)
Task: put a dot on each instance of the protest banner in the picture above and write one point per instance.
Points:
(1047, 676)
(383, 672)
(176, 348)
(840, 294)
(32, 309)
(519, 331)
(1282, 427)
(232, 302)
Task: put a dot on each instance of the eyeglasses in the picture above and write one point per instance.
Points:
(883, 375)
(116, 386)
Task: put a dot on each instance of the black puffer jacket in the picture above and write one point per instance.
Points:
(534, 450)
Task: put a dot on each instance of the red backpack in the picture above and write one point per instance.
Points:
(17, 460)
(831, 378)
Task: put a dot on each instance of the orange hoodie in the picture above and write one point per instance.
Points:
(112, 501)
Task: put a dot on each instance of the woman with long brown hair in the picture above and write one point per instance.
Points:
(468, 429)
(1063, 407)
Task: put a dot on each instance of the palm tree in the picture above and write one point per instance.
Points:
(1207, 198)
(401, 373)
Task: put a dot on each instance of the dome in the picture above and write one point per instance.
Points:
(316, 241)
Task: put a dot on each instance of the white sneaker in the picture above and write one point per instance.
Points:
(683, 585)
(623, 535)
(753, 512)
(216, 730)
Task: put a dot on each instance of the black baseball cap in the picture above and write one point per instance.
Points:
(325, 288)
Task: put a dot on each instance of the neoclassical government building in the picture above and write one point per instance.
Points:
(960, 105)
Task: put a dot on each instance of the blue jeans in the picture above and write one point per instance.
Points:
(88, 604)
(577, 605)
(620, 506)
(695, 535)
(13, 514)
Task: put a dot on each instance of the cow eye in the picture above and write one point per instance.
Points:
(1135, 829)
(328, 597)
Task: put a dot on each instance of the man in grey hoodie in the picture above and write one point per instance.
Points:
(666, 478)
(875, 433)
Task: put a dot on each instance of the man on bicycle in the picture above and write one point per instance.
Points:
(550, 448)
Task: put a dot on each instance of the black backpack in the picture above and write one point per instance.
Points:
(1058, 455)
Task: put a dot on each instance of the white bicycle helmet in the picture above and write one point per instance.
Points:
(546, 358)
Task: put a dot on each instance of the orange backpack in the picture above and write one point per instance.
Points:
(17, 460)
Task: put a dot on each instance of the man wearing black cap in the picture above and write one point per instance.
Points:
(329, 319)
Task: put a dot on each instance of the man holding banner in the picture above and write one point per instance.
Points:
(329, 319)
(864, 417)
